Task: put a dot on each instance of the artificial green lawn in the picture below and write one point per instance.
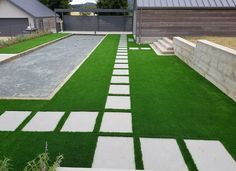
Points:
(169, 99)
(28, 44)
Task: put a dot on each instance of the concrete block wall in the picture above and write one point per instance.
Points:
(215, 62)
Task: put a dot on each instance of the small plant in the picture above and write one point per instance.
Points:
(42, 163)
(5, 165)
(22, 38)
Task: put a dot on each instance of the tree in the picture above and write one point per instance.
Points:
(112, 4)
(52, 4)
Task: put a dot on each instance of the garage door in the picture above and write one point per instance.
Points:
(12, 26)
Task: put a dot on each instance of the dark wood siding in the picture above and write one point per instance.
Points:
(156, 23)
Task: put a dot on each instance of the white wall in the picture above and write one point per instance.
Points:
(8, 10)
(215, 62)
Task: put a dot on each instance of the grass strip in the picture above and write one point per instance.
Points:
(29, 44)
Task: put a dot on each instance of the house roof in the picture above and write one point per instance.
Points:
(33, 8)
(186, 3)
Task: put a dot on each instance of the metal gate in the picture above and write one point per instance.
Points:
(108, 22)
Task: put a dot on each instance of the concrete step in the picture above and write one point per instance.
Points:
(168, 46)
(167, 40)
(162, 49)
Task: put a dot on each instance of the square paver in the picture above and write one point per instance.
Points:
(80, 122)
(119, 89)
(145, 48)
(121, 61)
(121, 57)
(120, 79)
(11, 120)
(120, 72)
(122, 51)
(162, 154)
(114, 153)
(118, 102)
(133, 48)
(121, 66)
(210, 155)
(44, 122)
(116, 122)
(122, 54)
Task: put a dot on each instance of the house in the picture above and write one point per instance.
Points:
(158, 18)
(17, 15)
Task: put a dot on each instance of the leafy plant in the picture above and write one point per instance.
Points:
(5, 164)
(42, 163)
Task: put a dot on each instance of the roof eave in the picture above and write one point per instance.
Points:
(187, 8)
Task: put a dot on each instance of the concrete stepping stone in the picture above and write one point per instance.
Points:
(80, 122)
(130, 40)
(122, 51)
(116, 122)
(121, 66)
(133, 48)
(119, 89)
(121, 61)
(147, 48)
(210, 155)
(118, 102)
(123, 48)
(44, 122)
(162, 154)
(120, 79)
(11, 120)
(121, 57)
(114, 153)
(122, 54)
(120, 72)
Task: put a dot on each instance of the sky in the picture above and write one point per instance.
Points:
(82, 1)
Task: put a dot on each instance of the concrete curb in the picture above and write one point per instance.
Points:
(18, 55)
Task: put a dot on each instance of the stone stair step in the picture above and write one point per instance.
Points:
(168, 46)
(162, 49)
(167, 40)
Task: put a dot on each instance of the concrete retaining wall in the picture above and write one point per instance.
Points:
(215, 62)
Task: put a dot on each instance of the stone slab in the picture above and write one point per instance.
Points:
(44, 122)
(122, 54)
(121, 61)
(4, 57)
(121, 66)
(118, 102)
(122, 48)
(210, 155)
(114, 153)
(120, 72)
(143, 48)
(11, 120)
(121, 57)
(80, 122)
(133, 48)
(116, 122)
(120, 79)
(122, 51)
(119, 89)
(162, 154)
